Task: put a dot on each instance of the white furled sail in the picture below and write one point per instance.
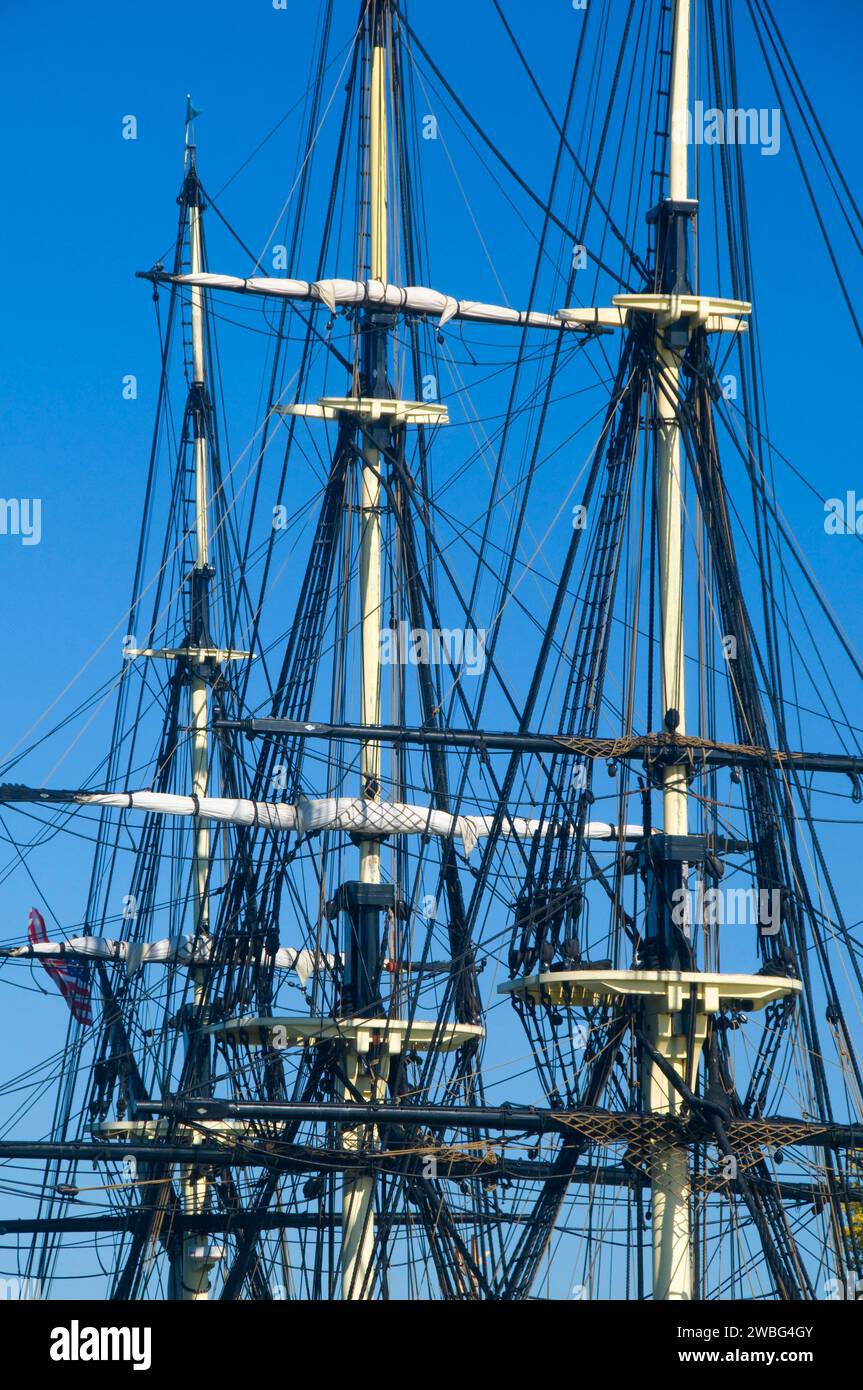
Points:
(414, 299)
(174, 950)
(354, 815)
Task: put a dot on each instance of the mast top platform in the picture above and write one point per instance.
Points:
(670, 989)
(371, 410)
(392, 1034)
(713, 314)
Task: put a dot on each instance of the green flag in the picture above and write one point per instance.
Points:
(191, 110)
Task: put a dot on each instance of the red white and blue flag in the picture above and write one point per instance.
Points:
(72, 977)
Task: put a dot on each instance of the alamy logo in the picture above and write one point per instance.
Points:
(418, 646)
(17, 1290)
(736, 126)
(77, 1343)
(719, 907)
(21, 516)
(844, 515)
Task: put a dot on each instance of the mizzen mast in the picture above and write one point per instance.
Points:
(197, 1260)
(201, 660)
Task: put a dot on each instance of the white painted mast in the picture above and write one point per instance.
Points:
(663, 994)
(672, 1257)
(358, 1232)
(200, 744)
(191, 1272)
(198, 1259)
(676, 820)
(370, 519)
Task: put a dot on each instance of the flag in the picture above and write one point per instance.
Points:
(72, 977)
(191, 110)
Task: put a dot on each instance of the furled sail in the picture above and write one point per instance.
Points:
(354, 815)
(173, 950)
(414, 299)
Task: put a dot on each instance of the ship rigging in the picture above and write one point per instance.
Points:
(414, 991)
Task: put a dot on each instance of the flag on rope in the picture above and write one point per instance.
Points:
(72, 977)
(191, 110)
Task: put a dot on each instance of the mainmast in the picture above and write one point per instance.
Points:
(365, 901)
(668, 1000)
(672, 1258)
(670, 493)
(373, 379)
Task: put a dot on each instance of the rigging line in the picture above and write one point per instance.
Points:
(74, 714)
(303, 370)
(529, 477)
(514, 762)
(518, 366)
(535, 197)
(467, 202)
(515, 412)
(785, 578)
(290, 111)
(731, 595)
(466, 530)
(483, 450)
(291, 305)
(812, 583)
(90, 659)
(778, 36)
(774, 449)
(635, 260)
(455, 686)
(754, 469)
(129, 612)
(519, 846)
(310, 150)
(808, 185)
(819, 148)
(785, 618)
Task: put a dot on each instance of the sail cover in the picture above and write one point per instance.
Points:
(414, 299)
(355, 815)
(174, 950)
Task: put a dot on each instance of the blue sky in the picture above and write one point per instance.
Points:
(85, 209)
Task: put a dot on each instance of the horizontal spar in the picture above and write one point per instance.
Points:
(266, 1153)
(338, 293)
(226, 1222)
(598, 1126)
(264, 1150)
(198, 951)
(217, 1223)
(288, 1158)
(373, 819)
(659, 748)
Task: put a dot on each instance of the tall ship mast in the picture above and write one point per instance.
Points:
(460, 924)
